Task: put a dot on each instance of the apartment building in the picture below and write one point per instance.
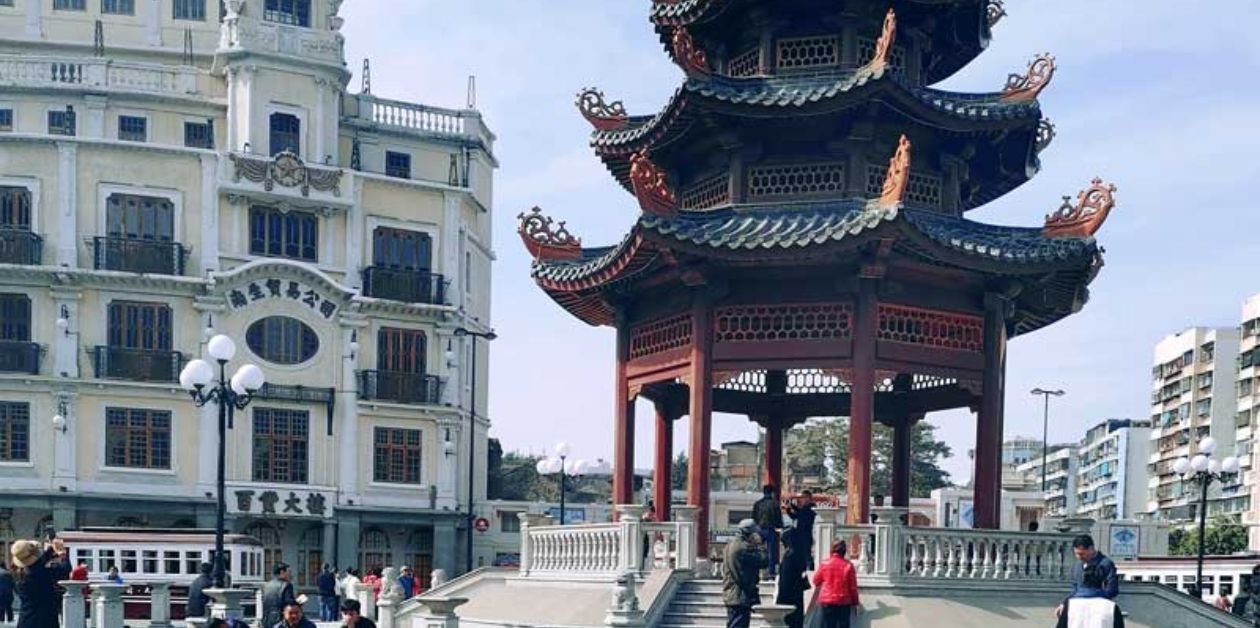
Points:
(1060, 475)
(1247, 391)
(1111, 468)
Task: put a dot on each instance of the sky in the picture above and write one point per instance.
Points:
(1158, 97)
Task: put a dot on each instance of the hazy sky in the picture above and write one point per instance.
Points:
(1159, 97)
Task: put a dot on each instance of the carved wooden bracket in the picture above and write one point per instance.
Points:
(883, 45)
(994, 12)
(692, 60)
(651, 187)
(545, 243)
(1086, 217)
(1026, 87)
(603, 116)
(898, 175)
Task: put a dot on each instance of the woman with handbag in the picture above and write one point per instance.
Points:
(838, 590)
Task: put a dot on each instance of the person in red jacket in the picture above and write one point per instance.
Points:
(837, 587)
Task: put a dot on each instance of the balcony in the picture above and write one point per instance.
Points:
(408, 286)
(458, 124)
(409, 388)
(18, 246)
(138, 256)
(19, 357)
(99, 74)
(137, 365)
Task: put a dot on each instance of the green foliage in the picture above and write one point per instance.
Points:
(517, 479)
(1224, 535)
(816, 453)
(678, 473)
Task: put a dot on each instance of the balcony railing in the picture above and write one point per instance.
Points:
(138, 256)
(138, 365)
(19, 357)
(409, 286)
(19, 246)
(410, 388)
(105, 74)
(454, 123)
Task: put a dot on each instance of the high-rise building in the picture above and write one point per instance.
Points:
(1060, 478)
(1248, 410)
(1193, 397)
(173, 170)
(1111, 469)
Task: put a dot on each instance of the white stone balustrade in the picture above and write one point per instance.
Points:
(72, 611)
(606, 550)
(580, 549)
(464, 123)
(160, 605)
(104, 74)
(107, 605)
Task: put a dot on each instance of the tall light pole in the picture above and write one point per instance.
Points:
(472, 432)
(1203, 470)
(1045, 429)
(197, 378)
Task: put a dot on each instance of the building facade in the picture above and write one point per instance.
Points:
(1060, 479)
(1248, 411)
(1111, 467)
(1193, 393)
(173, 170)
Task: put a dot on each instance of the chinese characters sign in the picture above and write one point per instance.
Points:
(282, 289)
(279, 502)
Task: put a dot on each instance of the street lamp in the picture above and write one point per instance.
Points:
(230, 395)
(472, 429)
(1045, 429)
(1203, 470)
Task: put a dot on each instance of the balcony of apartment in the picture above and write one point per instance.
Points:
(408, 286)
(98, 74)
(368, 111)
(20, 246)
(152, 257)
(137, 365)
(19, 357)
(398, 387)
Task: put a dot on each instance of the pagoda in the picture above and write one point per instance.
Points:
(802, 247)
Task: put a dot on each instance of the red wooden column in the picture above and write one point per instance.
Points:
(773, 473)
(700, 377)
(862, 402)
(623, 424)
(989, 420)
(663, 479)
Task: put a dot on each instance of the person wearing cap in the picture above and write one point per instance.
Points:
(36, 572)
(276, 595)
(407, 581)
(741, 570)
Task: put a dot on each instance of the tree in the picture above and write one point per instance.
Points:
(816, 454)
(1224, 536)
(678, 473)
(494, 469)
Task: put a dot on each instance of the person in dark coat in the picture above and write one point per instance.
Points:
(741, 570)
(36, 574)
(769, 517)
(6, 594)
(327, 583)
(198, 601)
(350, 617)
(293, 617)
(276, 594)
(792, 581)
(803, 516)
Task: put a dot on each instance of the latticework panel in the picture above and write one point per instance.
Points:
(754, 323)
(807, 52)
(795, 180)
(925, 382)
(747, 381)
(896, 57)
(745, 64)
(921, 189)
(942, 330)
(812, 381)
(660, 335)
(708, 193)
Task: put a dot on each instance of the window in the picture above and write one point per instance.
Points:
(397, 456)
(286, 134)
(189, 10)
(15, 208)
(134, 217)
(138, 439)
(282, 340)
(15, 431)
(280, 449)
(274, 233)
(118, 7)
(509, 521)
(310, 556)
(171, 558)
(69, 5)
(199, 134)
(295, 12)
(400, 350)
(271, 544)
(133, 128)
(401, 249)
(374, 549)
(142, 326)
(6, 119)
(61, 122)
(15, 318)
(397, 164)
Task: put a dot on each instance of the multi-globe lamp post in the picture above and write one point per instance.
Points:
(559, 467)
(198, 378)
(1203, 469)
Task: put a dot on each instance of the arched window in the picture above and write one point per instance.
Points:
(270, 537)
(282, 340)
(373, 549)
(310, 555)
(419, 556)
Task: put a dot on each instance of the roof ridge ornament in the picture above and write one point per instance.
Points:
(883, 45)
(651, 187)
(692, 60)
(603, 116)
(1026, 87)
(898, 175)
(1086, 217)
(994, 12)
(545, 243)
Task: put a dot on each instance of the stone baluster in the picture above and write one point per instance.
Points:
(72, 611)
(1009, 558)
(160, 605)
(913, 567)
(107, 605)
(980, 568)
(939, 562)
(951, 558)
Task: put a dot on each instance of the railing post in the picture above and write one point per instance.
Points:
(367, 601)
(824, 533)
(107, 605)
(441, 612)
(631, 524)
(624, 612)
(160, 605)
(226, 603)
(72, 611)
(685, 544)
(526, 546)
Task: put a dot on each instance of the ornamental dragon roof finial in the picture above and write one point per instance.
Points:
(545, 243)
(898, 175)
(1026, 87)
(994, 12)
(1045, 134)
(883, 46)
(651, 187)
(1086, 217)
(603, 116)
(692, 60)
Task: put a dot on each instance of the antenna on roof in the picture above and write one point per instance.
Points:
(98, 40)
(472, 91)
(367, 76)
(188, 46)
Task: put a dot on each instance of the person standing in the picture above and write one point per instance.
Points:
(113, 576)
(792, 581)
(1108, 583)
(327, 583)
(769, 518)
(838, 589)
(276, 595)
(293, 617)
(1085, 609)
(198, 601)
(35, 578)
(803, 516)
(350, 617)
(741, 570)
(6, 593)
(1222, 602)
(407, 581)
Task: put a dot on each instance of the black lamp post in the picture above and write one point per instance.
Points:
(1203, 470)
(1045, 429)
(556, 465)
(472, 432)
(230, 395)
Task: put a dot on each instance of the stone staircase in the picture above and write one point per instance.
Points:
(698, 604)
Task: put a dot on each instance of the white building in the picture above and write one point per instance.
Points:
(1111, 471)
(174, 169)
(1059, 477)
(1193, 397)
(1248, 411)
